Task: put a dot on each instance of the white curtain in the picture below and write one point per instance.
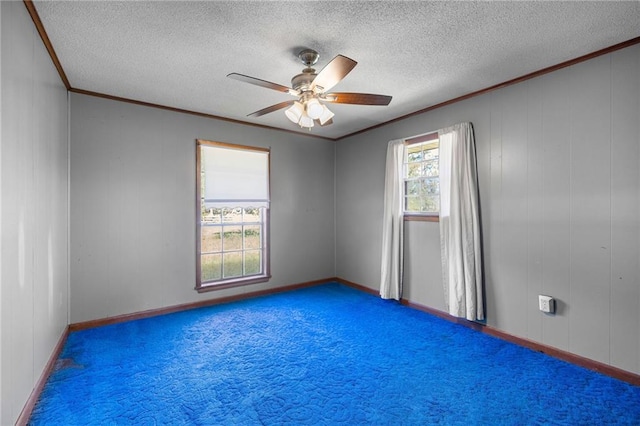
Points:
(393, 224)
(460, 223)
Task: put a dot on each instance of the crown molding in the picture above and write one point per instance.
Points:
(45, 39)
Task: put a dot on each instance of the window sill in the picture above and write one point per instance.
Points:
(237, 282)
(421, 218)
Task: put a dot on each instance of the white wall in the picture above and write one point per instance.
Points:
(133, 206)
(33, 209)
(558, 160)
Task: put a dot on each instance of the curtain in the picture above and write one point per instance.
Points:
(393, 224)
(460, 241)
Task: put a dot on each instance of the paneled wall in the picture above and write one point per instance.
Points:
(33, 209)
(133, 206)
(558, 160)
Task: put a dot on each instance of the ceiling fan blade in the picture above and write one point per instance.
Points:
(262, 83)
(357, 98)
(333, 72)
(271, 108)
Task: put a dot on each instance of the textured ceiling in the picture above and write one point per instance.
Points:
(178, 54)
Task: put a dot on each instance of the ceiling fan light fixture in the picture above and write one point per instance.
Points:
(326, 115)
(295, 112)
(306, 121)
(314, 108)
(310, 89)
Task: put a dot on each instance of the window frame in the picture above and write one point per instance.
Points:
(266, 219)
(414, 216)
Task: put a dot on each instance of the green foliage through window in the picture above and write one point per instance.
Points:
(421, 178)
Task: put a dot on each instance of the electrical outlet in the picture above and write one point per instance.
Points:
(546, 303)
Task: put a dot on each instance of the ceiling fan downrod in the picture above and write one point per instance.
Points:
(303, 81)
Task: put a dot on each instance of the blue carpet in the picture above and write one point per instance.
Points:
(326, 355)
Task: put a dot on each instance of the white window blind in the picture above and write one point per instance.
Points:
(235, 177)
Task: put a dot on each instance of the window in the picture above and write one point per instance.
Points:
(232, 185)
(421, 176)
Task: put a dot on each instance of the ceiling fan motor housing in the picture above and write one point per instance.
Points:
(310, 87)
(309, 57)
(302, 82)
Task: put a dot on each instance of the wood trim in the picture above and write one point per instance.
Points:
(197, 114)
(231, 283)
(267, 229)
(507, 83)
(422, 138)
(357, 286)
(232, 145)
(25, 414)
(266, 250)
(56, 62)
(587, 363)
(47, 42)
(597, 366)
(421, 218)
(440, 314)
(198, 218)
(193, 305)
(54, 57)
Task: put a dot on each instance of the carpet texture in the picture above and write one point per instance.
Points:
(326, 355)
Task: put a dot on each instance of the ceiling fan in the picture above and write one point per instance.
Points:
(311, 89)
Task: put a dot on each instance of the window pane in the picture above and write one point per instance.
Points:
(232, 264)
(211, 267)
(414, 153)
(232, 238)
(431, 154)
(430, 168)
(211, 239)
(252, 261)
(414, 170)
(422, 177)
(413, 204)
(431, 204)
(412, 187)
(431, 186)
(252, 237)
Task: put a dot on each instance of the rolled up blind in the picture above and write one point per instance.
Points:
(235, 177)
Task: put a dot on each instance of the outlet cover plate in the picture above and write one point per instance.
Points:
(546, 303)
